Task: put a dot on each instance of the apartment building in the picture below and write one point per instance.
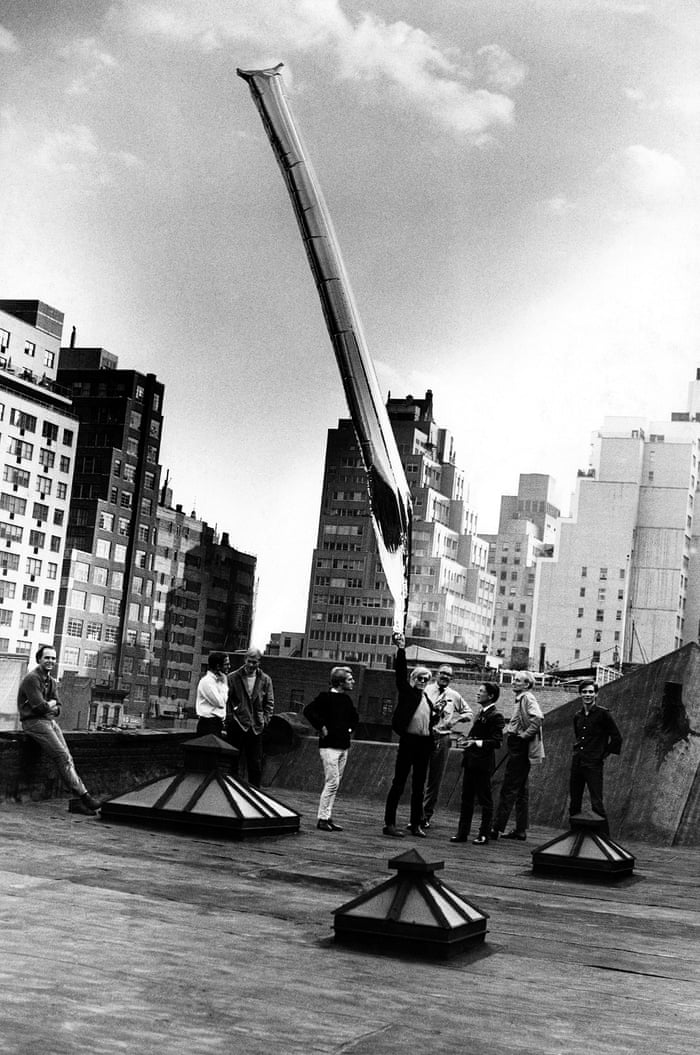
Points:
(105, 614)
(38, 437)
(527, 530)
(624, 584)
(204, 601)
(350, 610)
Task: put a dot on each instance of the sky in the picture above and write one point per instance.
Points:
(515, 187)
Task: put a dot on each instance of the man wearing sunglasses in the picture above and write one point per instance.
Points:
(413, 721)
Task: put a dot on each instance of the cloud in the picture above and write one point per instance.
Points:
(559, 205)
(419, 72)
(651, 175)
(501, 69)
(92, 62)
(8, 41)
(685, 102)
(75, 152)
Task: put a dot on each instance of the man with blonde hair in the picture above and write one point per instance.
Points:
(251, 704)
(413, 721)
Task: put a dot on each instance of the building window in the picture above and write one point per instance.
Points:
(51, 570)
(119, 554)
(90, 660)
(94, 632)
(67, 437)
(102, 548)
(99, 576)
(599, 615)
(582, 592)
(34, 566)
(603, 573)
(81, 571)
(74, 628)
(49, 359)
(77, 599)
(22, 420)
(61, 490)
(64, 464)
(70, 656)
(97, 602)
(49, 596)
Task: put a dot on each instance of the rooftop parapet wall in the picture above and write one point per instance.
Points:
(652, 791)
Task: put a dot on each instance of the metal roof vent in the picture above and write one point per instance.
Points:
(586, 850)
(204, 797)
(411, 912)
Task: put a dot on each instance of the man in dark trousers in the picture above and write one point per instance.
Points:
(251, 703)
(333, 715)
(39, 708)
(595, 737)
(485, 737)
(413, 722)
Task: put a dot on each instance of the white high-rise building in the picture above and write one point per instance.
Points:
(624, 584)
(38, 436)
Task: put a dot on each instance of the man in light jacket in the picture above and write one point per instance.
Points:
(524, 741)
(251, 704)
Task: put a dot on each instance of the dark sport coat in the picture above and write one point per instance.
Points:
(409, 696)
(488, 726)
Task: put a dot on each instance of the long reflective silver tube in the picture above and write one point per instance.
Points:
(389, 494)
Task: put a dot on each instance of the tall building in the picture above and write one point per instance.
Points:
(527, 530)
(624, 584)
(350, 612)
(105, 618)
(204, 601)
(38, 432)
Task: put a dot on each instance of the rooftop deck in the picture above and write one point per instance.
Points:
(121, 939)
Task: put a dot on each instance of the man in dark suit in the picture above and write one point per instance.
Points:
(251, 703)
(595, 737)
(485, 737)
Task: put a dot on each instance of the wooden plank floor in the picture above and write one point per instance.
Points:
(118, 939)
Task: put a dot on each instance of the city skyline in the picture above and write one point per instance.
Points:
(515, 194)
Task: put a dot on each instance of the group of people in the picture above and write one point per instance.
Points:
(427, 714)
(238, 705)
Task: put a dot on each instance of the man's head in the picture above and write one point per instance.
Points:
(444, 676)
(341, 678)
(46, 658)
(252, 660)
(218, 662)
(523, 681)
(420, 676)
(487, 693)
(588, 690)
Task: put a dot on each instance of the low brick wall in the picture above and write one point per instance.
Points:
(109, 763)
